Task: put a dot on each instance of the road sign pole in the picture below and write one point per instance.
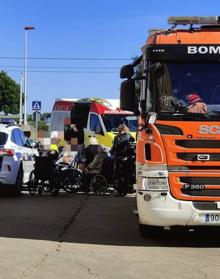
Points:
(36, 126)
(36, 106)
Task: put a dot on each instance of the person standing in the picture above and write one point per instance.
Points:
(121, 150)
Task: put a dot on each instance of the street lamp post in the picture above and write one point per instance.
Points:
(26, 29)
(20, 105)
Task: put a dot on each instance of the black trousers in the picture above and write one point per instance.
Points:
(122, 175)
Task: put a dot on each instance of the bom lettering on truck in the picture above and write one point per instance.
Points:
(203, 49)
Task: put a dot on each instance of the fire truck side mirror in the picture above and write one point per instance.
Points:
(154, 67)
(127, 95)
(152, 117)
(127, 71)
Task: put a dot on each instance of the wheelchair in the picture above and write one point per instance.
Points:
(67, 177)
(112, 175)
(105, 182)
(41, 178)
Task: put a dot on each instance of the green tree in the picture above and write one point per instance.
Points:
(45, 115)
(42, 126)
(9, 94)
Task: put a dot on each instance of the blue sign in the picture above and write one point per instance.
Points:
(36, 105)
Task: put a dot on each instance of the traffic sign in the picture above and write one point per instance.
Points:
(36, 105)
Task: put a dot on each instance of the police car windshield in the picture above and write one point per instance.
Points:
(112, 121)
(175, 82)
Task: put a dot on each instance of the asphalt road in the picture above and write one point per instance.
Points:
(84, 236)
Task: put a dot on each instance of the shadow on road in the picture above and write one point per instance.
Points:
(87, 219)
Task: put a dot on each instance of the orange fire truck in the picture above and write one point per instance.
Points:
(178, 141)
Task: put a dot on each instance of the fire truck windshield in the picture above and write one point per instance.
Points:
(186, 89)
(112, 121)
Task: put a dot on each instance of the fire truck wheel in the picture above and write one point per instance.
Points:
(149, 231)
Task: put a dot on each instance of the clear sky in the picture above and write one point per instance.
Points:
(95, 29)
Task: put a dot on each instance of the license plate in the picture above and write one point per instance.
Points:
(212, 218)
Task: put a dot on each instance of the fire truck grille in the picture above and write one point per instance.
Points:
(203, 167)
(202, 193)
(199, 186)
(198, 143)
(201, 180)
(193, 165)
(194, 156)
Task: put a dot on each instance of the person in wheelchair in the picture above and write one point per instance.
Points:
(123, 153)
(41, 177)
(91, 150)
(95, 167)
(66, 158)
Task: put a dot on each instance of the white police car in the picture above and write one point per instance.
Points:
(16, 156)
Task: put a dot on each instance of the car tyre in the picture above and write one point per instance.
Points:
(19, 183)
(149, 231)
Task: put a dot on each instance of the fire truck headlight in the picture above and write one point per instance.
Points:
(156, 184)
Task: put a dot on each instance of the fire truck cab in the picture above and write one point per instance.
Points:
(178, 140)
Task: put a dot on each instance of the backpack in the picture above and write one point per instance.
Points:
(124, 149)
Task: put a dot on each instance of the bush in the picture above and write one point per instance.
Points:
(42, 126)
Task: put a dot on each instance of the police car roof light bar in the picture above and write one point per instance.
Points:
(183, 20)
(8, 121)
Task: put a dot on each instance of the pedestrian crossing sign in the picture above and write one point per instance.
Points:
(36, 105)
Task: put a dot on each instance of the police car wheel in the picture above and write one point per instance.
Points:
(18, 183)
